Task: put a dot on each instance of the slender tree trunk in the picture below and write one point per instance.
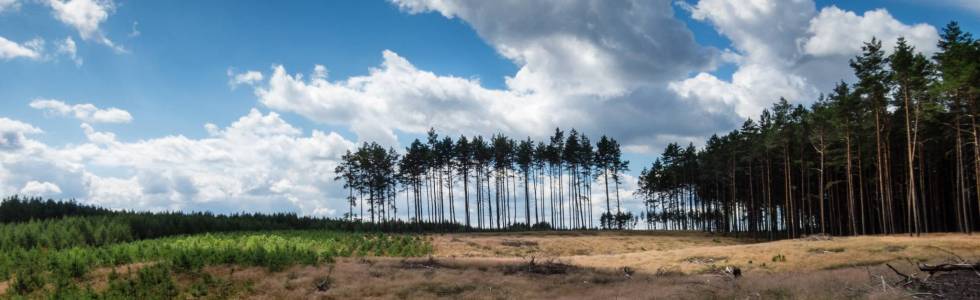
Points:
(882, 169)
(823, 191)
(605, 180)
(527, 200)
(466, 195)
(860, 188)
(960, 181)
(913, 216)
(452, 203)
(850, 185)
(976, 164)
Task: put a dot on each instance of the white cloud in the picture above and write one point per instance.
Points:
(257, 163)
(10, 49)
(785, 49)
(9, 5)
(68, 48)
(96, 137)
(86, 16)
(601, 67)
(598, 48)
(838, 32)
(43, 189)
(85, 112)
(397, 96)
(13, 132)
(247, 77)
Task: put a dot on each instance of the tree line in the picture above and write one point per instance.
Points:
(894, 152)
(504, 183)
(36, 223)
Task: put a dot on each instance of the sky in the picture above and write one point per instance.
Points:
(231, 106)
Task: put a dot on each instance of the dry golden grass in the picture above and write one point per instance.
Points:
(697, 252)
(570, 243)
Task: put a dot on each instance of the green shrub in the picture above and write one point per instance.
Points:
(151, 282)
(26, 281)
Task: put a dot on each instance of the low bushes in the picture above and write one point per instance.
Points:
(37, 268)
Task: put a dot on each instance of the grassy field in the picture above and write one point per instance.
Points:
(152, 265)
(553, 265)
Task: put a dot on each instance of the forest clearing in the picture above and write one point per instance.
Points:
(329, 264)
(575, 149)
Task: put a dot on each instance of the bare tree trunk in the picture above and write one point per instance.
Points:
(913, 215)
(466, 195)
(605, 180)
(527, 200)
(960, 181)
(879, 162)
(976, 165)
(850, 184)
(823, 228)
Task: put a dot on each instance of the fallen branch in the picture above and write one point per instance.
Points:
(975, 267)
(897, 272)
(948, 267)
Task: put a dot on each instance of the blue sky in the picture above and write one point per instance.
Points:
(169, 64)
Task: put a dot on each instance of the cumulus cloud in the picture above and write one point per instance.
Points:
(839, 32)
(786, 49)
(31, 49)
(247, 77)
(604, 48)
(258, 163)
(42, 189)
(12, 133)
(599, 66)
(85, 112)
(86, 16)
(399, 96)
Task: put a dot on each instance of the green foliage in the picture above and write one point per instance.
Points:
(618, 220)
(22, 209)
(150, 282)
(105, 228)
(27, 281)
(273, 250)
